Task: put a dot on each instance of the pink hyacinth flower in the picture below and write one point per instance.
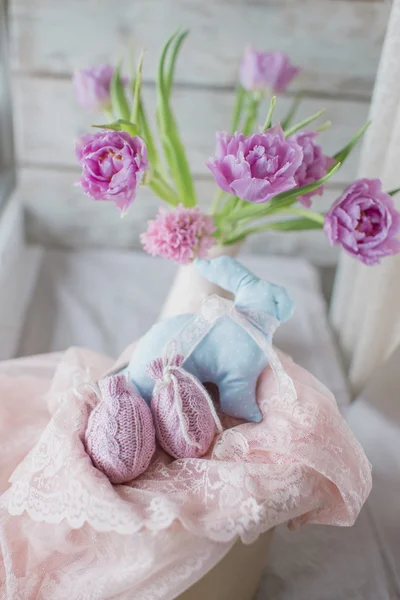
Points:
(179, 235)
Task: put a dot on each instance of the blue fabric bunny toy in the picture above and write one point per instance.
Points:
(227, 356)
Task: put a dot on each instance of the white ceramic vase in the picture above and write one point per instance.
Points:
(237, 576)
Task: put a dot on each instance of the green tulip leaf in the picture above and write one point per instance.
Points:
(118, 98)
(237, 109)
(120, 125)
(172, 145)
(305, 189)
(115, 126)
(344, 153)
(292, 111)
(268, 120)
(303, 123)
(147, 136)
(323, 127)
(171, 69)
(137, 92)
(138, 113)
(294, 224)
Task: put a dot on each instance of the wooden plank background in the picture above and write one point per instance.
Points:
(337, 42)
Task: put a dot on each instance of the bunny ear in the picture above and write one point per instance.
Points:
(284, 304)
(226, 272)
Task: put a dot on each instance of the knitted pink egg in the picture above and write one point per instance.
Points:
(120, 437)
(183, 412)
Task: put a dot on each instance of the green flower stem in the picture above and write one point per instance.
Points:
(217, 201)
(286, 225)
(160, 187)
(292, 110)
(300, 212)
(231, 204)
(268, 120)
(238, 108)
(254, 101)
(234, 221)
(304, 212)
(226, 227)
(247, 214)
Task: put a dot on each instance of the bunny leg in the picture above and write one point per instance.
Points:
(238, 399)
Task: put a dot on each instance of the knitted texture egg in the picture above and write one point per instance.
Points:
(120, 437)
(184, 415)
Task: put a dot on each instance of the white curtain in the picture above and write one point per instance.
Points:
(366, 301)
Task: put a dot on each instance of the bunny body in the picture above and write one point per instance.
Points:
(227, 356)
(233, 365)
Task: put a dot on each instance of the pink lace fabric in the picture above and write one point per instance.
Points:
(66, 532)
(120, 436)
(183, 411)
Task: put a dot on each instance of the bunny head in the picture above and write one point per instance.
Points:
(250, 292)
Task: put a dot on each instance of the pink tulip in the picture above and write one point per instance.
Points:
(266, 70)
(92, 87)
(365, 222)
(113, 164)
(314, 165)
(257, 167)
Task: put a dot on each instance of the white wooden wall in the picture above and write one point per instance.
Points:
(337, 42)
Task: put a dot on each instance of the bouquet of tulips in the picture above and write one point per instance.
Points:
(267, 172)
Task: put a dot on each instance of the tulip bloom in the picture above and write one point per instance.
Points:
(365, 222)
(256, 167)
(266, 70)
(113, 164)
